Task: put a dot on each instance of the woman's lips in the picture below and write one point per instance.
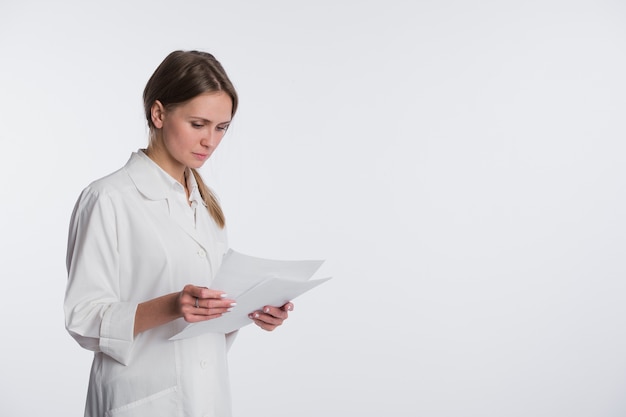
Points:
(200, 156)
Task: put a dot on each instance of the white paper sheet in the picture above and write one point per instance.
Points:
(254, 283)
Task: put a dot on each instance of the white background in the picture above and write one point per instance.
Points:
(458, 164)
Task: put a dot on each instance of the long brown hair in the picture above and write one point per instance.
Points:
(182, 76)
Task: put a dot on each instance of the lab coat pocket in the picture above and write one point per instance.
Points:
(163, 403)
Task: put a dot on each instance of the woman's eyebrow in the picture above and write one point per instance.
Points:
(207, 120)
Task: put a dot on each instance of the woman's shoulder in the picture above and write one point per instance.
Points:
(117, 181)
(110, 184)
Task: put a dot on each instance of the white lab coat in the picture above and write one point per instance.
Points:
(128, 244)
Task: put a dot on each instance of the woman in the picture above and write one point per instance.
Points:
(144, 244)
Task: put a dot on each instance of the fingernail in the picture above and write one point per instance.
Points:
(266, 309)
(233, 304)
(229, 309)
(256, 315)
(224, 295)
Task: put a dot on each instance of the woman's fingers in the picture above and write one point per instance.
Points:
(214, 304)
(201, 303)
(271, 317)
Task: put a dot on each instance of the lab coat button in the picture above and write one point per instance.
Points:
(201, 253)
(203, 364)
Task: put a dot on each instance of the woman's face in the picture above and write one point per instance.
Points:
(190, 132)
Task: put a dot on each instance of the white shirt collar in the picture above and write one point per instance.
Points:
(173, 184)
(194, 191)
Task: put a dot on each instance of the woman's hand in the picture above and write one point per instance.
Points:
(200, 303)
(211, 304)
(270, 317)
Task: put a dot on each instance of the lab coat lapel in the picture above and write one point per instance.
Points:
(187, 227)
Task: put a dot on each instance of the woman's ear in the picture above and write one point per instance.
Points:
(157, 112)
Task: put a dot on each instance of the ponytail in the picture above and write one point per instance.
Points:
(210, 200)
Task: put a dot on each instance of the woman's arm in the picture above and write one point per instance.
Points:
(210, 304)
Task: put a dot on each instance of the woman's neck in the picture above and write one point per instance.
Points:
(167, 163)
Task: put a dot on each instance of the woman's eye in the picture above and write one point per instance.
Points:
(197, 125)
(222, 128)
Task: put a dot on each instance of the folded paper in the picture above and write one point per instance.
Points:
(254, 283)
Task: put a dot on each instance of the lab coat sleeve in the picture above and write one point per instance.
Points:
(95, 314)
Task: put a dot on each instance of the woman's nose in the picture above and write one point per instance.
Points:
(210, 139)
